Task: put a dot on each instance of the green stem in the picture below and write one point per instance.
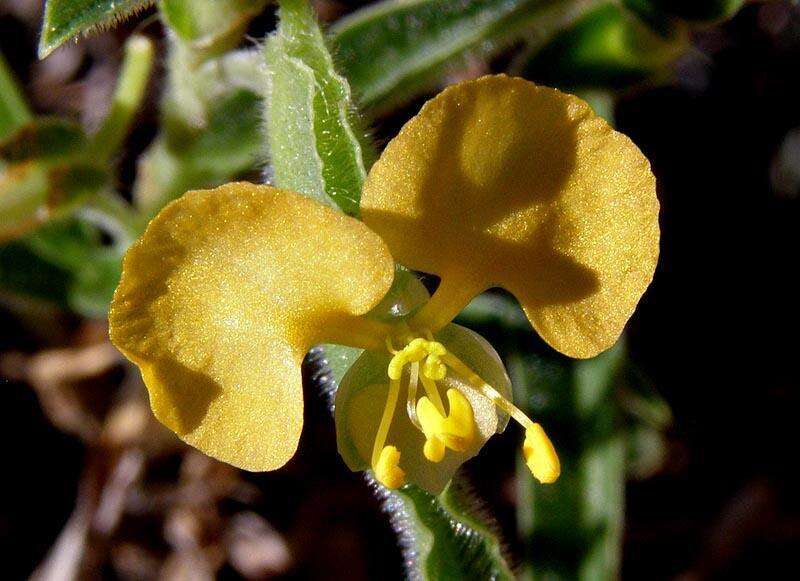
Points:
(128, 97)
(14, 111)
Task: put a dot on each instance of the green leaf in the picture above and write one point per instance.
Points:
(314, 137)
(14, 111)
(24, 273)
(66, 19)
(393, 50)
(583, 542)
(93, 267)
(128, 95)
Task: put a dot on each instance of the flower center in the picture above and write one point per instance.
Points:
(425, 360)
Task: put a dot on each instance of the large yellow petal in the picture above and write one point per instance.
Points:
(221, 298)
(499, 182)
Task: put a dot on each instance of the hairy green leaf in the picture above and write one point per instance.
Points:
(394, 50)
(314, 137)
(66, 19)
(443, 537)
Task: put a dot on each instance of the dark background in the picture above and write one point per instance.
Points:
(716, 333)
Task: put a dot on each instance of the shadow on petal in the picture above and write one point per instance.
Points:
(179, 396)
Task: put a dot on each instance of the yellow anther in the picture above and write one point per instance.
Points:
(433, 368)
(417, 350)
(436, 348)
(387, 468)
(540, 455)
(455, 431)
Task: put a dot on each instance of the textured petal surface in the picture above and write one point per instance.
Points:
(221, 298)
(362, 394)
(499, 182)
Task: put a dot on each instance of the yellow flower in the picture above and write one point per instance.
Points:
(495, 183)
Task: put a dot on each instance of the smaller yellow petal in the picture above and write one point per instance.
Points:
(540, 455)
(455, 431)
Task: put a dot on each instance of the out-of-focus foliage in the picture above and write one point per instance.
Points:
(48, 171)
(210, 27)
(191, 152)
(588, 406)
(694, 10)
(13, 109)
(610, 46)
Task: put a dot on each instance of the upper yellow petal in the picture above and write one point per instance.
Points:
(221, 298)
(499, 182)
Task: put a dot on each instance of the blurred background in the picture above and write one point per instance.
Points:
(706, 396)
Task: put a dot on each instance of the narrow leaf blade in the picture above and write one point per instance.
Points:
(393, 50)
(66, 19)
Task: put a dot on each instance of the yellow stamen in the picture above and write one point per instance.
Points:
(455, 431)
(387, 468)
(386, 421)
(433, 393)
(461, 369)
(540, 455)
(411, 402)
